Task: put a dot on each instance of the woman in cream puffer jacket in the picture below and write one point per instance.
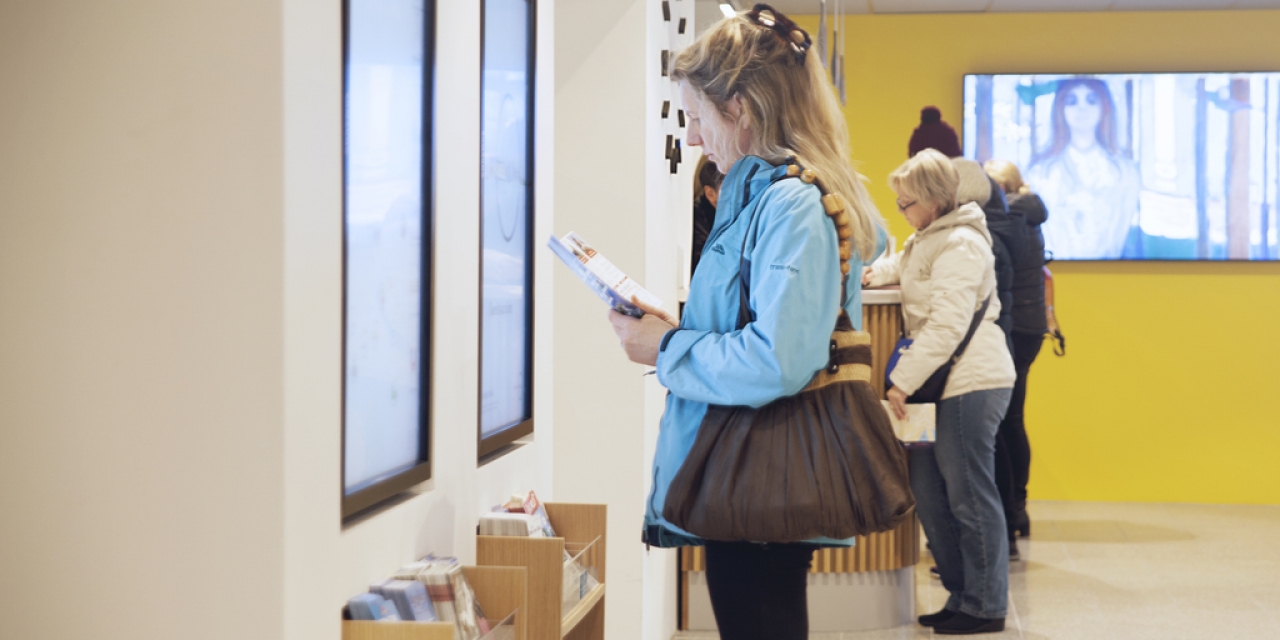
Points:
(947, 270)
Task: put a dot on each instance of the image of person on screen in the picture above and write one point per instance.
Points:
(1091, 188)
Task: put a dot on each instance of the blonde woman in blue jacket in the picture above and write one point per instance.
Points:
(754, 96)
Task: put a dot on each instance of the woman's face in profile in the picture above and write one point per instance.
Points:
(918, 213)
(709, 129)
(1083, 111)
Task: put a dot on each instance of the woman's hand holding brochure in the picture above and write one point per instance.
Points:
(642, 336)
(636, 315)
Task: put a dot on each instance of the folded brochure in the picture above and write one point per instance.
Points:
(920, 424)
(609, 282)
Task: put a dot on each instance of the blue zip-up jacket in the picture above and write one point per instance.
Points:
(791, 247)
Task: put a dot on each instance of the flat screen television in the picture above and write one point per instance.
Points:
(387, 249)
(1139, 166)
(506, 203)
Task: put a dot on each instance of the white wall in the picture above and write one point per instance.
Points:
(668, 233)
(599, 395)
(140, 320)
(170, 271)
(170, 298)
(324, 564)
(614, 187)
(707, 13)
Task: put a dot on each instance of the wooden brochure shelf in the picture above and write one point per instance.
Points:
(502, 591)
(365, 630)
(578, 613)
(549, 615)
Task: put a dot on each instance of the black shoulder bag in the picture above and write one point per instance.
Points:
(936, 383)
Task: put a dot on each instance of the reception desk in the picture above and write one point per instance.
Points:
(868, 586)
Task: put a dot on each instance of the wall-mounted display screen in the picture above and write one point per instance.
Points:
(1168, 166)
(387, 249)
(506, 218)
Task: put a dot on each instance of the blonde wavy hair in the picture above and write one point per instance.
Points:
(1006, 174)
(788, 106)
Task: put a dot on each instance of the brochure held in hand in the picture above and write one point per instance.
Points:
(609, 282)
(920, 426)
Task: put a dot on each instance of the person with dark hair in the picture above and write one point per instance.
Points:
(934, 133)
(1030, 324)
(706, 195)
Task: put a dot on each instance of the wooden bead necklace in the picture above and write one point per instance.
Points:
(835, 206)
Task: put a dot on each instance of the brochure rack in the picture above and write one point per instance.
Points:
(502, 591)
(560, 604)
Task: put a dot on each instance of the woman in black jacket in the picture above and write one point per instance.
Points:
(1013, 451)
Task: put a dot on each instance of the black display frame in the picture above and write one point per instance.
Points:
(488, 446)
(370, 496)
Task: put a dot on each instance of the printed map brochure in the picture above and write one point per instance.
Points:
(609, 282)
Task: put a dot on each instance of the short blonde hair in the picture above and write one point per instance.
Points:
(1006, 174)
(929, 177)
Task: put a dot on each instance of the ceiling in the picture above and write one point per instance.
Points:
(810, 7)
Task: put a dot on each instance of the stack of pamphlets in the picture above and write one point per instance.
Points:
(528, 504)
(371, 606)
(450, 593)
(410, 598)
(609, 282)
(502, 523)
(525, 515)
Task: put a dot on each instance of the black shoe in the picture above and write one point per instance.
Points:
(1020, 524)
(931, 619)
(934, 573)
(1014, 556)
(963, 624)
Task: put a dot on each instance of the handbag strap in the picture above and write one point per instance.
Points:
(794, 170)
(973, 328)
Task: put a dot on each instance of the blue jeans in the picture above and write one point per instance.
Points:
(955, 487)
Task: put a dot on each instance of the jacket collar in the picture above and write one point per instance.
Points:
(747, 179)
(968, 215)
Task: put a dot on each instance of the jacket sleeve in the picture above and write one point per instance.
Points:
(957, 273)
(886, 271)
(794, 296)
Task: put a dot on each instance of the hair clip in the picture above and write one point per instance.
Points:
(795, 37)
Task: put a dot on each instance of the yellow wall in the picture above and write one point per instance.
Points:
(1169, 391)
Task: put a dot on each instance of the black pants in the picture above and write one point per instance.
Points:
(1013, 450)
(758, 590)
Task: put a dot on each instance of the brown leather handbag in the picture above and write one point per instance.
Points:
(821, 463)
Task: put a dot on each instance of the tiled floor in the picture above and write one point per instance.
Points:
(1102, 571)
